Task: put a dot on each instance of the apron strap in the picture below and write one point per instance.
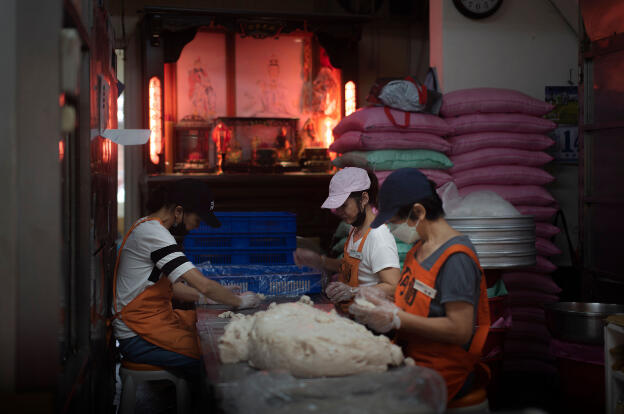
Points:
(483, 317)
(134, 226)
(361, 246)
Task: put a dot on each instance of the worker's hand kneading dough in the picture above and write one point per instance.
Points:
(375, 311)
(249, 300)
(339, 292)
(307, 257)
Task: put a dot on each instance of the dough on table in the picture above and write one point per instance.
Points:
(307, 342)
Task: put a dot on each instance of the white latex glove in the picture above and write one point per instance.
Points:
(249, 300)
(307, 257)
(377, 313)
(340, 292)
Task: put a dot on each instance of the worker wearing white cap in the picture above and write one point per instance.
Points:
(370, 255)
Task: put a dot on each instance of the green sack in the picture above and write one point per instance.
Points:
(499, 289)
(383, 160)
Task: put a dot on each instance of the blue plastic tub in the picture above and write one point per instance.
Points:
(266, 241)
(251, 222)
(241, 257)
(268, 280)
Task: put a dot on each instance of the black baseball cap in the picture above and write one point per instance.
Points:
(404, 186)
(195, 196)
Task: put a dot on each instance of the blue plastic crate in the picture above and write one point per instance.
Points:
(269, 280)
(241, 257)
(251, 222)
(267, 241)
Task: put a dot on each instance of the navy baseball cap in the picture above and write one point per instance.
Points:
(404, 186)
(195, 196)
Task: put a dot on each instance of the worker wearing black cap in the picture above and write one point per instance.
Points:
(149, 272)
(442, 293)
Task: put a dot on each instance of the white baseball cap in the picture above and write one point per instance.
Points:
(343, 183)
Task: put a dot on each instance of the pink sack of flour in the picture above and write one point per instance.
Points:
(539, 213)
(543, 265)
(528, 313)
(529, 365)
(403, 140)
(383, 119)
(529, 298)
(498, 156)
(502, 174)
(439, 177)
(469, 124)
(530, 281)
(370, 141)
(491, 100)
(349, 141)
(546, 230)
(546, 248)
(527, 349)
(479, 140)
(515, 194)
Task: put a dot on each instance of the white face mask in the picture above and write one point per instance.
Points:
(404, 232)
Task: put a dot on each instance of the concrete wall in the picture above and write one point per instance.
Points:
(8, 208)
(526, 45)
(30, 216)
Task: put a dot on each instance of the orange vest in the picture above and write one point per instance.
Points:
(151, 314)
(449, 360)
(350, 267)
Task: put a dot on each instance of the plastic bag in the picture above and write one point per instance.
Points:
(407, 389)
(477, 204)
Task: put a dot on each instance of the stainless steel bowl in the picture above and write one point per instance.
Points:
(579, 321)
(500, 242)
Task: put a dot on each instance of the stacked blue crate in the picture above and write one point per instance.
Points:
(245, 238)
(253, 250)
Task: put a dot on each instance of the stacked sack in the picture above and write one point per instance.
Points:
(498, 145)
(381, 139)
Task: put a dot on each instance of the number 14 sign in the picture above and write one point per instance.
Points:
(565, 149)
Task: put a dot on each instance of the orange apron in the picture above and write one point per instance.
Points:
(151, 314)
(451, 361)
(349, 269)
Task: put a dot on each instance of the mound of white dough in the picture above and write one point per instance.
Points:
(307, 342)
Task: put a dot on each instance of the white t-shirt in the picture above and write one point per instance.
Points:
(149, 252)
(379, 252)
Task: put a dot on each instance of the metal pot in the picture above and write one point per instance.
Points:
(579, 321)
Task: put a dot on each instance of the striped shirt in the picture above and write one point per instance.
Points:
(149, 253)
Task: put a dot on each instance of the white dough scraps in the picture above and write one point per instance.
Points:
(363, 302)
(230, 314)
(307, 342)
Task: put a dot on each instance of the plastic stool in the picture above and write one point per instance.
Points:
(133, 373)
(474, 402)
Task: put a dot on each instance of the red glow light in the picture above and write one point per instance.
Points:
(349, 98)
(155, 119)
(61, 150)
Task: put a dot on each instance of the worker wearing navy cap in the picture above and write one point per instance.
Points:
(442, 291)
